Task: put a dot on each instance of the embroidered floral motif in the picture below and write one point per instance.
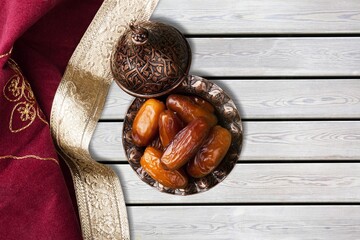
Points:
(14, 87)
(25, 111)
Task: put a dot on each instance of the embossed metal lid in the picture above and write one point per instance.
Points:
(151, 59)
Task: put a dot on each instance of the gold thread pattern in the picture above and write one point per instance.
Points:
(76, 109)
(30, 156)
(18, 90)
(6, 54)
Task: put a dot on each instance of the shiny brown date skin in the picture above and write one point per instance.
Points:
(146, 122)
(169, 126)
(202, 103)
(150, 162)
(211, 152)
(185, 144)
(188, 110)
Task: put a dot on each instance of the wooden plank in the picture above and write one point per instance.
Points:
(256, 183)
(296, 140)
(258, 16)
(280, 99)
(245, 222)
(322, 56)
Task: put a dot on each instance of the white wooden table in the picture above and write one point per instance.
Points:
(293, 69)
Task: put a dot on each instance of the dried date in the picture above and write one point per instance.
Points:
(146, 123)
(185, 144)
(169, 126)
(211, 153)
(202, 103)
(150, 162)
(188, 110)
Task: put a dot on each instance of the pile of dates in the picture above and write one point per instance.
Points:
(182, 138)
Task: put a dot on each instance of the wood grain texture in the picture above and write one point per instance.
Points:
(321, 56)
(255, 183)
(247, 50)
(293, 140)
(245, 222)
(259, 16)
(278, 99)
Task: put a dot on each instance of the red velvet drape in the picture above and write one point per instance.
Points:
(36, 197)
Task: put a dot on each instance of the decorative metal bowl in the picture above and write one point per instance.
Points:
(228, 116)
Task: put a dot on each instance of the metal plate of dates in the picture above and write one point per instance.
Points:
(228, 116)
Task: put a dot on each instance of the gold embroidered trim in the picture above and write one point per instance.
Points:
(76, 109)
(30, 156)
(18, 90)
(6, 54)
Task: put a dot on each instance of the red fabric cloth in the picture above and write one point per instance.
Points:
(35, 201)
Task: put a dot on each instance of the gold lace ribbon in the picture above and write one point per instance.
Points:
(76, 109)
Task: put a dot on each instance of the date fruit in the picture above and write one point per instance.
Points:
(150, 162)
(169, 126)
(185, 144)
(188, 110)
(146, 122)
(211, 153)
(202, 103)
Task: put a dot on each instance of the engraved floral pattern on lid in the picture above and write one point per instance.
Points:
(150, 59)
